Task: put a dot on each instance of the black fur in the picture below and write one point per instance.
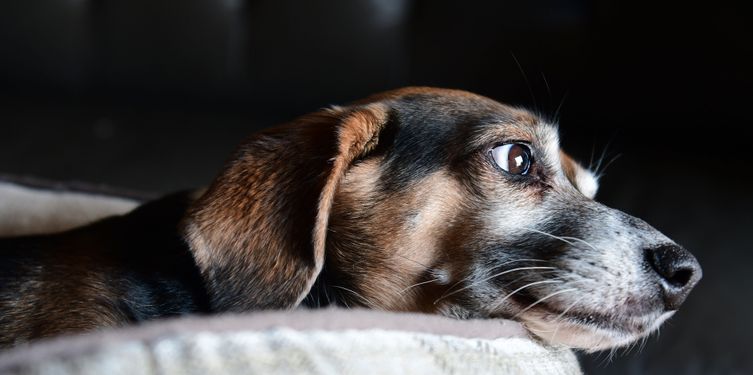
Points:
(141, 269)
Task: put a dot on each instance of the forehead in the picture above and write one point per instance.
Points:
(428, 131)
(475, 119)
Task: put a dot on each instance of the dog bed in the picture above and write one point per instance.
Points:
(326, 341)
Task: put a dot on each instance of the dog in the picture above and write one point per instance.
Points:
(420, 199)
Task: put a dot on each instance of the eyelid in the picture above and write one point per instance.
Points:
(512, 141)
(503, 163)
(528, 144)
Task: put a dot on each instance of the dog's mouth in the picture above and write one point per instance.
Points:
(591, 331)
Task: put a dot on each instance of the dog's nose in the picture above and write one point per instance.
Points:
(678, 272)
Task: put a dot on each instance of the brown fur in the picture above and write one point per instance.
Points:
(59, 305)
(324, 204)
(386, 261)
(261, 227)
(107, 274)
(573, 171)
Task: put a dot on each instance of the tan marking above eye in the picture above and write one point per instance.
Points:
(582, 178)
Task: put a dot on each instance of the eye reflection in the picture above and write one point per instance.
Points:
(514, 158)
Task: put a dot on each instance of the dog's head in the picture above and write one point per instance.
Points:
(435, 201)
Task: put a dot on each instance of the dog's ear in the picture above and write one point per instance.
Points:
(258, 233)
(583, 179)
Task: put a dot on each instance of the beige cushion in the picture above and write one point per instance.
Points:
(302, 342)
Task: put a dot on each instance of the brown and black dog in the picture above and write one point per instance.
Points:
(419, 199)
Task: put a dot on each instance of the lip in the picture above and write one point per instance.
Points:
(626, 325)
(592, 331)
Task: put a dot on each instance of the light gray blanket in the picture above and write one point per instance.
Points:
(327, 341)
(298, 342)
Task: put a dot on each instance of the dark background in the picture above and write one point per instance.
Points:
(153, 95)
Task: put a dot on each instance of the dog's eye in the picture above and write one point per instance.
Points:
(514, 158)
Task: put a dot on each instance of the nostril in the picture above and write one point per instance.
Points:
(671, 263)
(678, 270)
(679, 278)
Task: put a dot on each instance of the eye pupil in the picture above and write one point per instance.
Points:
(517, 160)
(513, 158)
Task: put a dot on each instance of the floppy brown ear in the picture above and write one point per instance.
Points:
(582, 178)
(258, 233)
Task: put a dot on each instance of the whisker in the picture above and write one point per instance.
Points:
(550, 295)
(550, 235)
(548, 88)
(598, 171)
(626, 349)
(569, 308)
(501, 265)
(601, 159)
(344, 302)
(604, 169)
(326, 296)
(644, 341)
(426, 268)
(363, 299)
(562, 314)
(536, 330)
(610, 356)
(528, 83)
(559, 108)
(498, 304)
(582, 241)
(491, 277)
(565, 239)
(418, 284)
(524, 277)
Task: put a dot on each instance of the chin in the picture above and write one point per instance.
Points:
(592, 332)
